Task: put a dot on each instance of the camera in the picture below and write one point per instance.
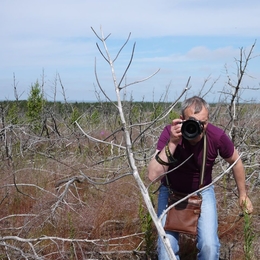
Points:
(191, 128)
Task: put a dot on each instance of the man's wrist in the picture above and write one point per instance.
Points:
(160, 161)
(169, 154)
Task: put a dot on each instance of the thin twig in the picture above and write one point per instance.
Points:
(200, 190)
(127, 67)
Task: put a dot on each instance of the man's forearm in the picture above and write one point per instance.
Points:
(156, 169)
(239, 175)
(158, 165)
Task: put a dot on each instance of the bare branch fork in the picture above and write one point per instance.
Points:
(165, 112)
(242, 64)
(128, 147)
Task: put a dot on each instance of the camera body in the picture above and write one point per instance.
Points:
(191, 128)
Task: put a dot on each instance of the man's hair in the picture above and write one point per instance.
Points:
(197, 102)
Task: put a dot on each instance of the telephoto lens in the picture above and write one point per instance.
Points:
(191, 128)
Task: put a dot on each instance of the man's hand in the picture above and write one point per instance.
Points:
(176, 134)
(246, 204)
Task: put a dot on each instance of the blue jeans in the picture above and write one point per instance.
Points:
(207, 239)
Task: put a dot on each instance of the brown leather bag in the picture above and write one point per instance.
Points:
(184, 216)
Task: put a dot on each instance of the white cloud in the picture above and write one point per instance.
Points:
(143, 18)
(204, 53)
(196, 54)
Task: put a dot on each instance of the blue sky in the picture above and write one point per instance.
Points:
(186, 38)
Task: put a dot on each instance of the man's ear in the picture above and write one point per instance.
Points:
(181, 117)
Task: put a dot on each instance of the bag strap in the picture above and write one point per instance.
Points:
(203, 166)
(204, 159)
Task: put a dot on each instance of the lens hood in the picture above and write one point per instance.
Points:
(191, 128)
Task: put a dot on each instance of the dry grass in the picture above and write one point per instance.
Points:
(83, 220)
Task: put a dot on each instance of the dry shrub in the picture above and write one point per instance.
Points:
(110, 218)
(87, 211)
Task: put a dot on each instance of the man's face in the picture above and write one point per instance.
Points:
(202, 116)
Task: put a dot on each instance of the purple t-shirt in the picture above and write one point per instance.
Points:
(186, 177)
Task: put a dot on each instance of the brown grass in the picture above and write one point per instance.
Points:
(97, 220)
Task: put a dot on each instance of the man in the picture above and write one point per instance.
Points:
(186, 177)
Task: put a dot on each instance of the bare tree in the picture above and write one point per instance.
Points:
(128, 148)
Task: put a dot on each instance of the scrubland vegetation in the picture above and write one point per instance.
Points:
(70, 187)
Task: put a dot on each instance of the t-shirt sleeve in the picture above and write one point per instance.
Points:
(226, 147)
(164, 137)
